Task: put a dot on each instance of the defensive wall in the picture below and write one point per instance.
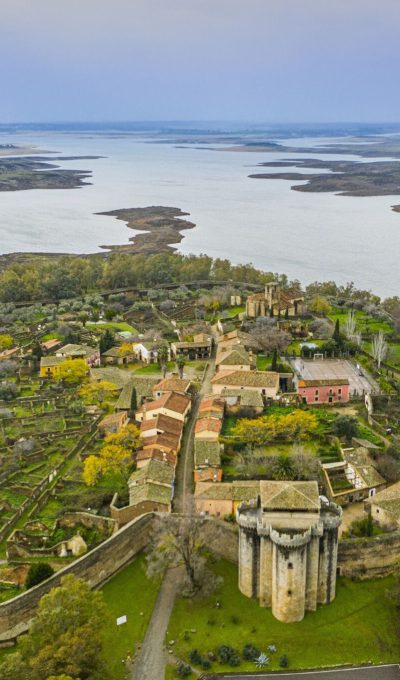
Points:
(358, 558)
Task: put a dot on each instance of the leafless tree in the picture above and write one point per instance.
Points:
(178, 540)
(379, 348)
(271, 339)
(350, 325)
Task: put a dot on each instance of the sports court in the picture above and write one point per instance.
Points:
(322, 369)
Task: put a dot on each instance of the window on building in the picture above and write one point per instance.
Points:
(317, 398)
(289, 592)
(290, 565)
(339, 390)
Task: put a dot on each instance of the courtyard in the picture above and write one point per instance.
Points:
(323, 369)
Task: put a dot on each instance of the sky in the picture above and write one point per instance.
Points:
(239, 60)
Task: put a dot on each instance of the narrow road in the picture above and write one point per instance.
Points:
(185, 467)
(152, 659)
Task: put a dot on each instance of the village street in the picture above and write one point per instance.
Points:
(150, 664)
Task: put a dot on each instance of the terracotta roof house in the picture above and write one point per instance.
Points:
(264, 382)
(171, 384)
(113, 423)
(165, 442)
(50, 345)
(211, 407)
(161, 424)
(208, 428)
(385, 507)
(154, 453)
(222, 499)
(171, 404)
(326, 391)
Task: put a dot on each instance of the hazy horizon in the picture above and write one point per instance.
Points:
(173, 60)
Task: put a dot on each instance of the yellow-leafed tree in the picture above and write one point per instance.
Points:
(116, 455)
(73, 371)
(97, 392)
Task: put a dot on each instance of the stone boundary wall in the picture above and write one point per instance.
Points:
(358, 558)
(367, 558)
(96, 567)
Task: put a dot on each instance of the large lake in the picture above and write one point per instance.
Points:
(309, 236)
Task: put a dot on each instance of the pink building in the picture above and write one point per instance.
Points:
(328, 391)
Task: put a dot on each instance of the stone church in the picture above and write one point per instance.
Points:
(275, 302)
(288, 542)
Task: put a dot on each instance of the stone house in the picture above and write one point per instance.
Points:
(207, 461)
(265, 383)
(147, 352)
(50, 345)
(50, 366)
(113, 423)
(385, 507)
(326, 391)
(162, 425)
(222, 499)
(199, 348)
(113, 357)
(211, 407)
(353, 479)
(72, 351)
(238, 399)
(235, 359)
(288, 546)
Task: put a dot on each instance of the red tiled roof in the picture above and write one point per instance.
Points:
(208, 425)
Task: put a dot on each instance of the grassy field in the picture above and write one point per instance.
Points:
(356, 628)
(130, 592)
(364, 322)
(113, 326)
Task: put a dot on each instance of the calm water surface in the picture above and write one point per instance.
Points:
(309, 236)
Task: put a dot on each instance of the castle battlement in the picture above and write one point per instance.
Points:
(287, 540)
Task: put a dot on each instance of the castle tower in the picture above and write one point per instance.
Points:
(288, 548)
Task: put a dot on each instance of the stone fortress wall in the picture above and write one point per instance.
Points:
(358, 558)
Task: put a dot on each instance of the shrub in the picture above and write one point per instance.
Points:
(250, 652)
(183, 670)
(228, 655)
(37, 573)
(195, 657)
(283, 661)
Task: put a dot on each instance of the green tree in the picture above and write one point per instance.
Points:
(37, 573)
(65, 637)
(336, 333)
(180, 364)
(107, 341)
(346, 426)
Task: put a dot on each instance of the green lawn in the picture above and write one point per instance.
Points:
(112, 325)
(153, 369)
(364, 322)
(130, 592)
(358, 627)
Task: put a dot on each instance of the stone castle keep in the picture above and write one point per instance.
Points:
(288, 545)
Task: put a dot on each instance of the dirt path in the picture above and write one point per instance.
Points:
(152, 659)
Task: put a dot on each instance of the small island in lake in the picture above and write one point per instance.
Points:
(162, 226)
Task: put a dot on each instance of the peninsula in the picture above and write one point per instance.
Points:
(20, 174)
